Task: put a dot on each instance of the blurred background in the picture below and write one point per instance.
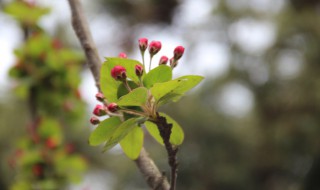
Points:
(253, 123)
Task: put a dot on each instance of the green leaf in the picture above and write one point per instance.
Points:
(50, 127)
(161, 89)
(185, 84)
(189, 82)
(132, 143)
(109, 86)
(120, 133)
(160, 74)
(25, 13)
(154, 131)
(177, 134)
(104, 131)
(136, 97)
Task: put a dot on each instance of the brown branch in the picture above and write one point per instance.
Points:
(165, 129)
(145, 164)
(82, 30)
(151, 173)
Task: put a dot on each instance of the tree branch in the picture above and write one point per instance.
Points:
(145, 164)
(82, 31)
(165, 130)
(151, 173)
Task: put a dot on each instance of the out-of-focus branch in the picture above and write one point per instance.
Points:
(151, 173)
(82, 30)
(147, 167)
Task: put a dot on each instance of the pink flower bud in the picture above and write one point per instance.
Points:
(178, 52)
(100, 97)
(173, 62)
(143, 44)
(123, 55)
(163, 60)
(154, 47)
(99, 110)
(94, 120)
(119, 73)
(139, 70)
(51, 143)
(113, 107)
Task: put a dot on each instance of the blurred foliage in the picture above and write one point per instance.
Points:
(47, 76)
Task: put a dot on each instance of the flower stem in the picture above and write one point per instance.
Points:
(151, 56)
(142, 55)
(125, 83)
(133, 112)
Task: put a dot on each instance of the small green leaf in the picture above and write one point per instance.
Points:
(154, 131)
(189, 82)
(104, 131)
(160, 74)
(161, 89)
(109, 86)
(136, 97)
(186, 83)
(132, 143)
(120, 133)
(177, 134)
(25, 13)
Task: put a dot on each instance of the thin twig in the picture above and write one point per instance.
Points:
(150, 171)
(165, 132)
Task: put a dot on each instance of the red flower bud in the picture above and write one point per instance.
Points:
(143, 44)
(56, 44)
(154, 47)
(51, 143)
(119, 73)
(100, 97)
(69, 148)
(94, 120)
(37, 170)
(113, 107)
(163, 60)
(123, 55)
(99, 110)
(139, 70)
(173, 62)
(178, 52)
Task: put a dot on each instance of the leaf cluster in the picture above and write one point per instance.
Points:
(140, 105)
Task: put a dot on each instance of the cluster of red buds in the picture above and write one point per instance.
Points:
(103, 109)
(119, 74)
(155, 47)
